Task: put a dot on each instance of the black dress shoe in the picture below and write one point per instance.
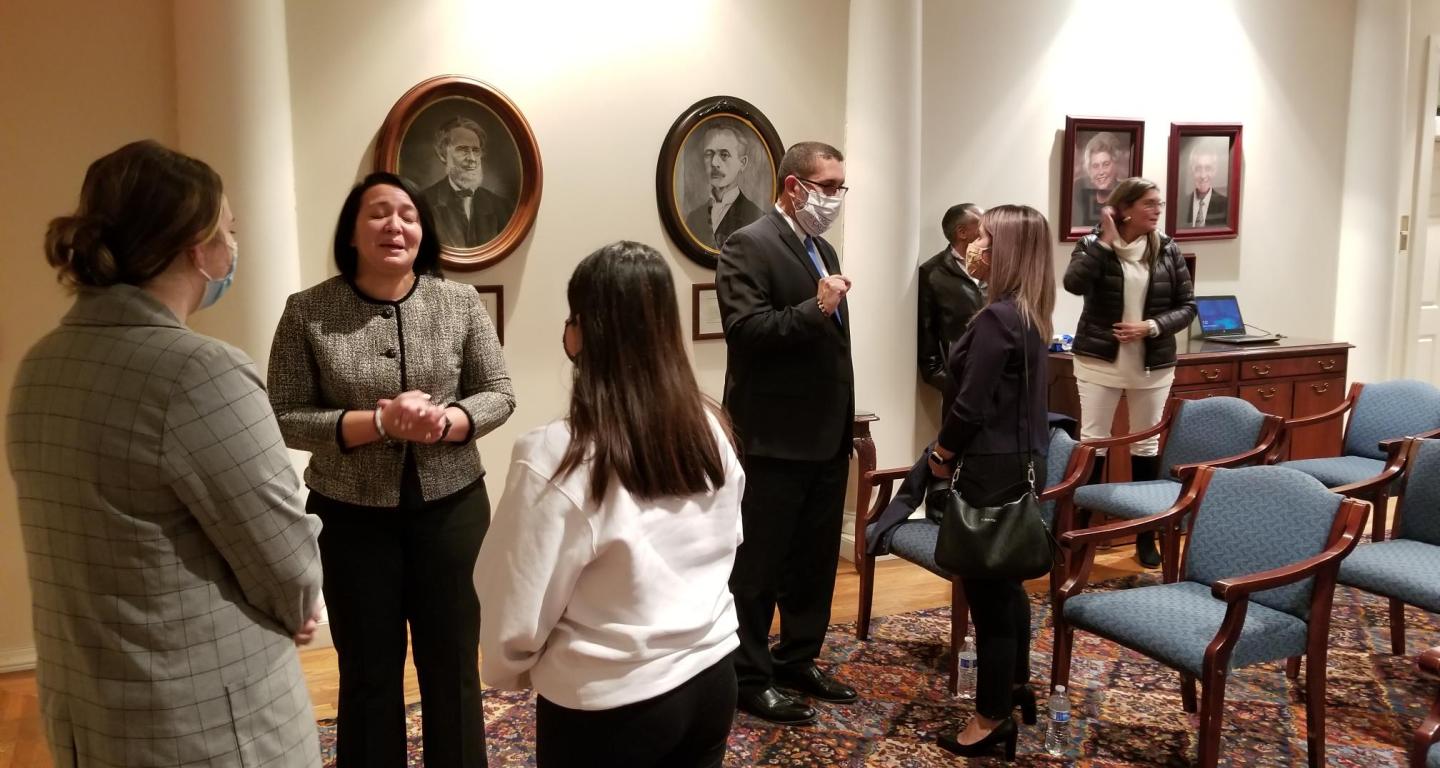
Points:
(812, 682)
(770, 704)
(1005, 735)
(1146, 551)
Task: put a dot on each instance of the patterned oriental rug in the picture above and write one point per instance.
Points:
(1126, 708)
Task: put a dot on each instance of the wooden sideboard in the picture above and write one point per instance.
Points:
(1288, 378)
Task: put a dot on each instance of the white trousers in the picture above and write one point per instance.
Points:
(1097, 412)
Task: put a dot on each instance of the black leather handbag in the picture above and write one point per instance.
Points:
(1009, 541)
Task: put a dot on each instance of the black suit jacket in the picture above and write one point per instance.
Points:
(489, 213)
(741, 212)
(789, 383)
(948, 299)
(1217, 214)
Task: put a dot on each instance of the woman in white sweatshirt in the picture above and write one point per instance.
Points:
(603, 579)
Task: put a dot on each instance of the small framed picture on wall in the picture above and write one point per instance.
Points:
(492, 297)
(705, 320)
(1204, 195)
(1099, 152)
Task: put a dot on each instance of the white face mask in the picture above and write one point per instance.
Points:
(818, 212)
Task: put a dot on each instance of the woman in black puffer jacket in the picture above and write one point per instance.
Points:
(1137, 295)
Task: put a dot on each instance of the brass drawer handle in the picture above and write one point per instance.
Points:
(1320, 388)
(1327, 365)
(1266, 394)
(1261, 370)
(1210, 375)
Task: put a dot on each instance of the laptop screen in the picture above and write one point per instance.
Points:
(1219, 315)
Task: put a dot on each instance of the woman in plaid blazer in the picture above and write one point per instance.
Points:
(172, 567)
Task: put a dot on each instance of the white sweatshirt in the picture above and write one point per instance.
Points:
(602, 605)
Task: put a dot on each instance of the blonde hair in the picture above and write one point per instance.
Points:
(1020, 248)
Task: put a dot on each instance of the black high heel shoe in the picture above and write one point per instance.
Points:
(1024, 698)
(1005, 733)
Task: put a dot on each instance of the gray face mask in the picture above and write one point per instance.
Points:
(216, 287)
(818, 211)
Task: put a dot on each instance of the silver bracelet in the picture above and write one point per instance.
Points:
(380, 427)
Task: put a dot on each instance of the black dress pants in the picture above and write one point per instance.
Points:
(792, 514)
(683, 728)
(386, 568)
(999, 607)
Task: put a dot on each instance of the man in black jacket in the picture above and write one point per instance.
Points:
(949, 297)
(790, 390)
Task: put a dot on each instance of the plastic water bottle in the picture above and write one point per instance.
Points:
(967, 662)
(1057, 736)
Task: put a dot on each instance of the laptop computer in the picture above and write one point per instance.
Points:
(1220, 321)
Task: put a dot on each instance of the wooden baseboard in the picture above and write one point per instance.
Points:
(17, 659)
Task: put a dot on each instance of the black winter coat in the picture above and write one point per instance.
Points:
(1095, 274)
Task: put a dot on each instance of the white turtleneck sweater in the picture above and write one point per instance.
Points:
(1128, 370)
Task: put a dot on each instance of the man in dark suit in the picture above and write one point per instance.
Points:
(726, 208)
(790, 390)
(1204, 206)
(949, 297)
(466, 214)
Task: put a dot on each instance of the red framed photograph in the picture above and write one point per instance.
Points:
(1099, 153)
(1205, 166)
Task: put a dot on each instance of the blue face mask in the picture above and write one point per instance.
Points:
(215, 288)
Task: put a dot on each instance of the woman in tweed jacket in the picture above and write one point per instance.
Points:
(170, 561)
(388, 374)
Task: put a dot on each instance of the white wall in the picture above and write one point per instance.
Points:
(1001, 77)
(600, 84)
(80, 79)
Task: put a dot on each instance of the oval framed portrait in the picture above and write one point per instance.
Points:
(472, 154)
(717, 173)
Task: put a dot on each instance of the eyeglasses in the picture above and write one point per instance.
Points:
(831, 190)
(1153, 205)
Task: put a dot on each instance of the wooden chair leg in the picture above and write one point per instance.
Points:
(1292, 667)
(1212, 714)
(1397, 627)
(1379, 513)
(1315, 708)
(1187, 692)
(867, 594)
(1060, 658)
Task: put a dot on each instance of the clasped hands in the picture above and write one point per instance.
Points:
(412, 416)
(831, 291)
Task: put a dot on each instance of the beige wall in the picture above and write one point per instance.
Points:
(80, 79)
(600, 85)
(1001, 77)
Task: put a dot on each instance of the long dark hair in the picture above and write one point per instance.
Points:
(347, 256)
(140, 207)
(635, 409)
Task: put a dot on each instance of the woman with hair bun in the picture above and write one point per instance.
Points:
(172, 568)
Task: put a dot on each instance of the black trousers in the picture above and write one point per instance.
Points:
(386, 568)
(999, 607)
(683, 728)
(792, 514)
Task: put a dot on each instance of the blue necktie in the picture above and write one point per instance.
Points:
(820, 269)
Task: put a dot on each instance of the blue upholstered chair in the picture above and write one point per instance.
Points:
(1424, 751)
(1380, 415)
(1067, 465)
(1406, 568)
(1259, 574)
(1216, 431)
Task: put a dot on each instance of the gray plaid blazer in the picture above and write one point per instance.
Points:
(169, 556)
(337, 350)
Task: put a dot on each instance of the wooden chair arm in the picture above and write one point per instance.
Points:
(1268, 435)
(1429, 661)
(884, 481)
(1363, 488)
(1335, 413)
(1395, 442)
(1192, 489)
(1081, 463)
(1239, 587)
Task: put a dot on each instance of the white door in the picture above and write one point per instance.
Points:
(1419, 280)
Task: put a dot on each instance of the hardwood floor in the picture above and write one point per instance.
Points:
(900, 587)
